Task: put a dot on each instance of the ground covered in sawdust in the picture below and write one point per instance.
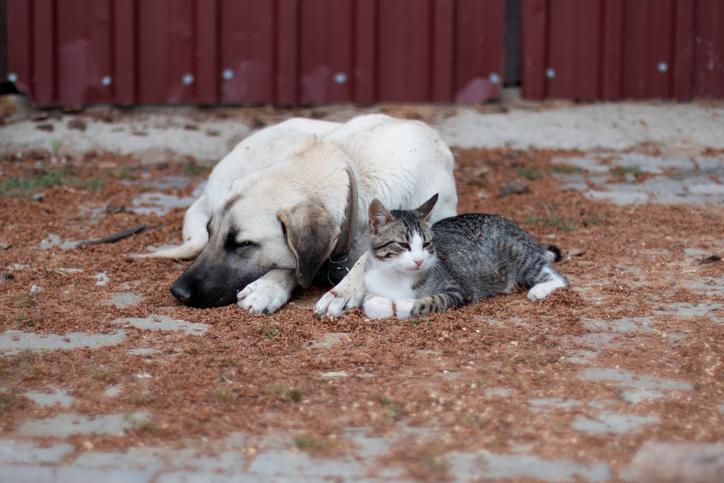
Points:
(440, 373)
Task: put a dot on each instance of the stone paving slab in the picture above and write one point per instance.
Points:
(27, 452)
(672, 180)
(659, 461)
(492, 466)
(54, 397)
(71, 474)
(14, 341)
(68, 424)
(164, 323)
(610, 422)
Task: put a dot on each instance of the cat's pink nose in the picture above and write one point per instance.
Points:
(418, 262)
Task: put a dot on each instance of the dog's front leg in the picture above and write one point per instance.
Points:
(268, 293)
(347, 294)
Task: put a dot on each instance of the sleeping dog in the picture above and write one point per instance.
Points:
(289, 204)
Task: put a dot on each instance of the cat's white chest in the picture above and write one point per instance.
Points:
(389, 284)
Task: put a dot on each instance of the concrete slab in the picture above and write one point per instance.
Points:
(539, 404)
(28, 452)
(668, 461)
(124, 300)
(54, 240)
(629, 379)
(163, 323)
(113, 391)
(159, 204)
(69, 424)
(334, 374)
(152, 137)
(610, 422)
(204, 477)
(622, 326)
(590, 163)
(705, 309)
(635, 388)
(618, 196)
(54, 396)
(102, 279)
(674, 180)
(144, 351)
(654, 164)
(581, 356)
(329, 340)
(498, 392)
(166, 182)
(298, 464)
(617, 126)
(71, 474)
(14, 341)
(468, 466)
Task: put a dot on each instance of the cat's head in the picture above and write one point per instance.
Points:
(402, 239)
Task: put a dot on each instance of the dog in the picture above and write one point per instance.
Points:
(289, 203)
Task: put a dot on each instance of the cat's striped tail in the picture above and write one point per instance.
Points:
(553, 253)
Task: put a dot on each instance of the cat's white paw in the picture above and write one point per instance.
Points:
(262, 297)
(340, 298)
(542, 290)
(538, 292)
(403, 308)
(378, 308)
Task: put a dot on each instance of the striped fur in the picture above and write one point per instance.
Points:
(469, 256)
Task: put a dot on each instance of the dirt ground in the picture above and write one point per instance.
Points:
(630, 355)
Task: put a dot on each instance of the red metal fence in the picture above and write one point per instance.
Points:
(614, 49)
(253, 51)
(293, 52)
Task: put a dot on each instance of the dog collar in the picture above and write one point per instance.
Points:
(340, 255)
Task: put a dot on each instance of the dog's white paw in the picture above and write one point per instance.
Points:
(337, 300)
(262, 297)
(378, 308)
(403, 308)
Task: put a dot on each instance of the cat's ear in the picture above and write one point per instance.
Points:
(310, 233)
(378, 215)
(424, 210)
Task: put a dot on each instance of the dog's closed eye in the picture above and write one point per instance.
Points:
(246, 244)
(232, 244)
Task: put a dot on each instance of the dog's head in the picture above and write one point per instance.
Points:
(264, 224)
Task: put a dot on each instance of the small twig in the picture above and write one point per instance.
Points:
(113, 237)
(709, 259)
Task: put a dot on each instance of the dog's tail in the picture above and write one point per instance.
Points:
(195, 235)
(553, 253)
(184, 251)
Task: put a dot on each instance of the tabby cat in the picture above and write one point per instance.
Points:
(414, 268)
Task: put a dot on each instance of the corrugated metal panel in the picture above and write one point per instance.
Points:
(709, 56)
(614, 49)
(249, 51)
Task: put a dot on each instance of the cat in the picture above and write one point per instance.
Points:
(415, 268)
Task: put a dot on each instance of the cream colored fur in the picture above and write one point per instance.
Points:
(401, 163)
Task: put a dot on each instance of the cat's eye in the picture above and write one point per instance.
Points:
(426, 244)
(405, 246)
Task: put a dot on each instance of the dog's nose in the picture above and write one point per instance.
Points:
(181, 291)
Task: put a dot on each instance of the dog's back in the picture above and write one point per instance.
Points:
(260, 150)
(401, 161)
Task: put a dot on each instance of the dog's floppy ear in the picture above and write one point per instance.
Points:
(310, 232)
